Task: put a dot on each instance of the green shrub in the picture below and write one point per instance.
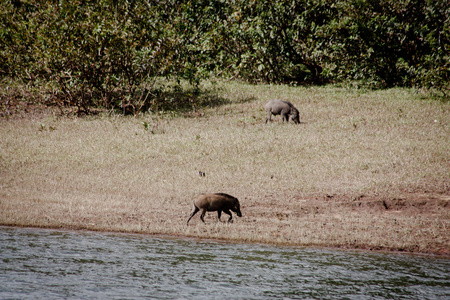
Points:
(109, 54)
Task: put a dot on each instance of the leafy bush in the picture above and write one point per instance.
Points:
(394, 43)
(109, 53)
(96, 54)
(274, 42)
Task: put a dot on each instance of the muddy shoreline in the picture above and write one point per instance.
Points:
(428, 206)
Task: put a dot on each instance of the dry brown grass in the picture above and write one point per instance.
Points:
(329, 181)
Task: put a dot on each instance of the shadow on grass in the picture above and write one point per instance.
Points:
(20, 100)
(189, 100)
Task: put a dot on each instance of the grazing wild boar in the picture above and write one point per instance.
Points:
(283, 108)
(216, 202)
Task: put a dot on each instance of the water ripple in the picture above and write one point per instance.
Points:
(74, 265)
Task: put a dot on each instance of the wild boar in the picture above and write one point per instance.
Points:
(219, 202)
(283, 108)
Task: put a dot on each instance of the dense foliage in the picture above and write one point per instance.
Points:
(109, 53)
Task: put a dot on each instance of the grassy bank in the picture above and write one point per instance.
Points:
(363, 170)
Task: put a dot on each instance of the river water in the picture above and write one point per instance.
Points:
(57, 264)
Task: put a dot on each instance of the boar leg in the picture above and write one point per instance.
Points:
(203, 215)
(269, 117)
(193, 213)
(228, 213)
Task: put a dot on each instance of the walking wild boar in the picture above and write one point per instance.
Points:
(283, 108)
(216, 202)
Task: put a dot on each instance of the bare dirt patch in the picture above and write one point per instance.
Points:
(417, 222)
(423, 203)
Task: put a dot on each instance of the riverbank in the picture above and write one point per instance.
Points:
(363, 170)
